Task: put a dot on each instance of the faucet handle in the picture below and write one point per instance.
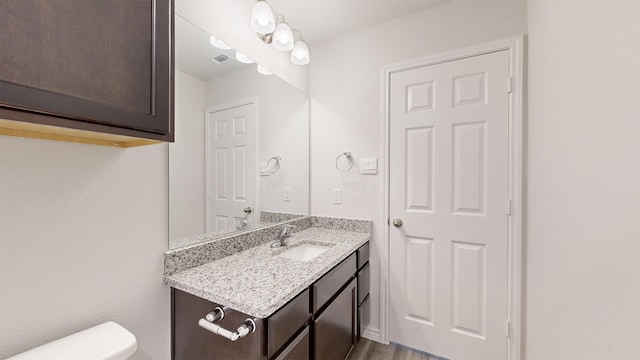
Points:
(286, 229)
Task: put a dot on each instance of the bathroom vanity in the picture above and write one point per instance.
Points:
(297, 304)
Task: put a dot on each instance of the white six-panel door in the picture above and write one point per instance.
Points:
(449, 186)
(230, 166)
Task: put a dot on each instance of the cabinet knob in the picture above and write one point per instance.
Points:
(397, 222)
(247, 210)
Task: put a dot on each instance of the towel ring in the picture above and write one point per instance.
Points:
(276, 164)
(349, 157)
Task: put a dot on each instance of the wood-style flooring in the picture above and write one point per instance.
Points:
(371, 350)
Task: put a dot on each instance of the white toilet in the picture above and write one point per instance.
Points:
(108, 341)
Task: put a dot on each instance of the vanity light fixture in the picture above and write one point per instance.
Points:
(283, 37)
(263, 70)
(243, 58)
(300, 52)
(218, 43)
(278, 33)
(262, 20)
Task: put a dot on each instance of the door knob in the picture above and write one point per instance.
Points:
(247, 210)
(397, 222)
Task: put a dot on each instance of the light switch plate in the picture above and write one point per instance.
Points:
(369, 166)
(337, 196)
(287, 194)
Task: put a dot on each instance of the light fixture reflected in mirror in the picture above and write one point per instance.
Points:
(243, 58)
(218, 43)
(263, 70)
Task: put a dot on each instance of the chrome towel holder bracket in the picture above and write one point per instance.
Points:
(273, 164)
(349, 157)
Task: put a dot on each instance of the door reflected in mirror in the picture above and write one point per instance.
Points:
(240, 159)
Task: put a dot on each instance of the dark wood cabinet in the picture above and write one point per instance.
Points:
(319, 323)
(331, 283)
(335, 328)
(286, 322)
(299, 349)
(102, 66)
(191, 342)
(364, 281)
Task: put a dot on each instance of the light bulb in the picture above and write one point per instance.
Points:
(243, 58)
(262, 20)
(283, 37)
(218, 43)
(300, 53)
(263, 70)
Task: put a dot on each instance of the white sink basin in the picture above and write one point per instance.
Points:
(304, 252)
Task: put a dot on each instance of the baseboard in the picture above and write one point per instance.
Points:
(372, 334)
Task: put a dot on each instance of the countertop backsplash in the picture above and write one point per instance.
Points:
(204, 251)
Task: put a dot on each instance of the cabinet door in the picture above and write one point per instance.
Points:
(298, 349)
(89, 65)
(190, 341)
(286, 322)
(335, 328)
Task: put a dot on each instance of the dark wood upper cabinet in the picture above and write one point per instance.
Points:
(104, 66)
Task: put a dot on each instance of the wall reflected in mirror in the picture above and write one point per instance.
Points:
(240, 160)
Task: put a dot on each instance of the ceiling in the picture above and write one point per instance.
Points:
(319, 20)
(193, 51)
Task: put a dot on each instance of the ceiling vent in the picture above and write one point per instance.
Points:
(219, 59)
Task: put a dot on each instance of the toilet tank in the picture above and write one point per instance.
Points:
(108, 341)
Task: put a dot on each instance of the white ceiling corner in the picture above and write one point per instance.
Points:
(320, 20)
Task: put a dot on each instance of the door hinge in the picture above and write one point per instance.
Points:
(509, 84)
(509, 207)
(508, 329)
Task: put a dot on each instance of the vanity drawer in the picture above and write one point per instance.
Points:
(329, 285)
(363, 255)
(364, 280)
(282, 325)
(299, 349)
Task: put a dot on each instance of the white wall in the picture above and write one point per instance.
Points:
(82, 232)
(346, 98)
(186, 160)
(583, 237)
(229, 20)
(283, 130)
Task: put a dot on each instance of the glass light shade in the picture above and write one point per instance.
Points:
(283, 37)
(262, 20)
(300, 53)
(263, 70)
(218, 43)
(243, 58)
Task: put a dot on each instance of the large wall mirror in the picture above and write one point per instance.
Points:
(240, 160)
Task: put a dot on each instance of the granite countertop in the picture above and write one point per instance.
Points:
(258, 282)
(195, 239)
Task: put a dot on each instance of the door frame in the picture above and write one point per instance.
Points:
(253, 101)
(515, 47)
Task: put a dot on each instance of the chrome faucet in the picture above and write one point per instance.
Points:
(243, 225)
(285, 232)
